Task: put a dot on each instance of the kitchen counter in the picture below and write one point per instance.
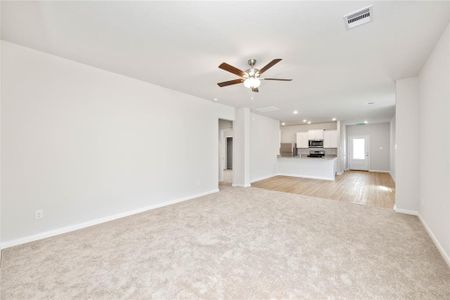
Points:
(308, 167)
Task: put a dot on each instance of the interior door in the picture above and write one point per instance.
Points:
(229, 153)
(359, 153)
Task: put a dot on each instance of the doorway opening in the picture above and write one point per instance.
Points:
(369, 165)
(225, 152)
(229, 157)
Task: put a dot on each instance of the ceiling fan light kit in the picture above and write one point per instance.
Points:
(251, 77)
(252, 82)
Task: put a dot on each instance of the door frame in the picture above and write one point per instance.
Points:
(350, 151)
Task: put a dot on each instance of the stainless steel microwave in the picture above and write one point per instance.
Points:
(315, 144)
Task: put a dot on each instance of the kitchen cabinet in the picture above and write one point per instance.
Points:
(316, 134)
(330, 139)
(302, 139)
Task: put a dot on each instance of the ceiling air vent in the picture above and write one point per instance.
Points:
(359, 17)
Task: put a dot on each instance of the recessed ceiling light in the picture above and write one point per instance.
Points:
(304, 120)
(365, 122)
(334, 119)
(309, 122)
(215, 99)
(282, 123)
(295, 112)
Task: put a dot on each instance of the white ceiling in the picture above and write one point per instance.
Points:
(180, 44)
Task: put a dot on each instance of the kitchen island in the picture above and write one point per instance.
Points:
(308, 167)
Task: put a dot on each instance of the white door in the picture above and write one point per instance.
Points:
(359, 153)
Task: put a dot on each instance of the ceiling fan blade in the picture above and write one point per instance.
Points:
(231, 69)
(277, 79)
(230, 82)
(256, 90)
(269, 65)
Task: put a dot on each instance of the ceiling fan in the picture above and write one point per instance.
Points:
(251, 77)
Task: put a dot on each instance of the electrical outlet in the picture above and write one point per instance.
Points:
(39, 214)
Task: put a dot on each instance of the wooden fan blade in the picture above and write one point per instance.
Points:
(256, 90)
(231, 69)
(230, 82)
(269, 65)
(277, 79)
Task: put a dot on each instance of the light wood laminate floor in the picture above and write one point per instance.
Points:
(367, 188)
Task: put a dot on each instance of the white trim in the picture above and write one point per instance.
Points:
(380, 171)
(438, 245)
(262, 178)
(309, 177)
(70, 228)
(392, 176)
(406, 211)
(240, 185)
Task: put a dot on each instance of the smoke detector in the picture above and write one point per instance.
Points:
(359, 17)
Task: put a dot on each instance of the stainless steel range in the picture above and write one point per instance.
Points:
(316, 153)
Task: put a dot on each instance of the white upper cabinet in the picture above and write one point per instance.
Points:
(330, 139)
(315, 135)
(302, 139)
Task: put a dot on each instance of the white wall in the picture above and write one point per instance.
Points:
(434, 147)
(289, 133)
(264, 146)
(393, 143)
(82, 143)
(241, 148)
(1, 147)
(342, 150)
(379, 143)
(407, 138)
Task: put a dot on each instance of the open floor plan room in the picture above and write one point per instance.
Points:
(224, 150)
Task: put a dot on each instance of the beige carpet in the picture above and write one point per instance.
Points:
(236, 244)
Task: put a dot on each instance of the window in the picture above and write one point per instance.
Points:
(359, 149)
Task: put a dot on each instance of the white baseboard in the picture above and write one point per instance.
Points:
(406, 211)
(308, 177)
(70, 228)
(438, 245)
(379, 171)
(262, 178)
(240, 185)
(392, 176)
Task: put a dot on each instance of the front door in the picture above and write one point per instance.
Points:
(359, 153)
